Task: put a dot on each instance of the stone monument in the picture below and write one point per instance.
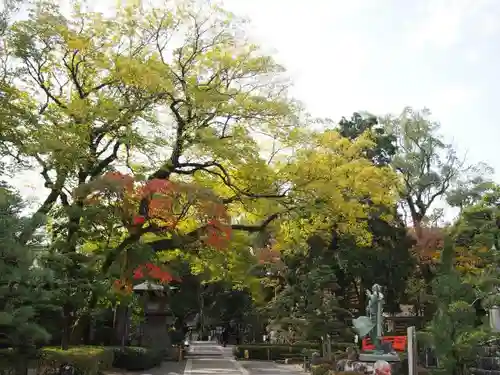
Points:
(372, 325)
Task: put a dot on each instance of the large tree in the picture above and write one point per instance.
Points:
(112, 92)
(386, 259)
(428, 166)
(150, 130)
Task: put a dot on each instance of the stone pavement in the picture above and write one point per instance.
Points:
(209, 358)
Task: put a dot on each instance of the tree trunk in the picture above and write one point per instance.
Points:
(121, 324)
(22, 360)
(66, 328)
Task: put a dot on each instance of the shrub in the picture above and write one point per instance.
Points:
(134, 358)
(87, 360)
(272, 351)
(321, 369)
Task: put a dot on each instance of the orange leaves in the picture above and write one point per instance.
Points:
(123, 181)
(268, 255)
(123, 287)
(153, 271)
(162, 204)
(218, 234)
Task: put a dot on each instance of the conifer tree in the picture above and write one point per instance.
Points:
(22, 283)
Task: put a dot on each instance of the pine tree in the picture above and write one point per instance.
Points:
(22, 283)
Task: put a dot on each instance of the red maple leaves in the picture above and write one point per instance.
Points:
(153, 271)
(158, 206)
(146, 271)
(218, 234)
(163, 204)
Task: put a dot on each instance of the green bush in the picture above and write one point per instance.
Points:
(272, 351)
(134, 358)
(87, 360)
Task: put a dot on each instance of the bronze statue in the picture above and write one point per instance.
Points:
(371, 325)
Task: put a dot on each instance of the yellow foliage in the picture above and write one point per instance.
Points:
(336, 186)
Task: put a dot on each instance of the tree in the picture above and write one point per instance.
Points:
(9, 8)
(386, 260)
(476, 231)
(305, 299)
(427, 165)
(105, 84)
(23, 283)
(471, 189)
(384, 147)
(146, 126)
(452, 331)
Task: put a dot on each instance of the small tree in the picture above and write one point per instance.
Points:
(22, 283)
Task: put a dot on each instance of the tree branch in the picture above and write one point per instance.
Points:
(177, 241)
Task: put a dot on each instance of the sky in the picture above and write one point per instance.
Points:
(382, 55)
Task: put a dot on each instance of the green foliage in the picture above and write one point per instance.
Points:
(384, 147)
(477, 226)
(23, 284)
(85, 95)
(387, 261)
(428, 166)
(87, 360)
(453, 330)
(304, 305)
(133, 358)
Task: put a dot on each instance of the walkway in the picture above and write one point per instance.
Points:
(207, 358)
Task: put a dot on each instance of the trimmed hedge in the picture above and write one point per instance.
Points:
(134, 358)
(87, 360)
(273, 351)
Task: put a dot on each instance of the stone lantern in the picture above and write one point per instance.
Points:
(158, 318)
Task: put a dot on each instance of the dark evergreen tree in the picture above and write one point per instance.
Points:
(23, 283)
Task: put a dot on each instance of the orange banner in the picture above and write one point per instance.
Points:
(398, 343)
